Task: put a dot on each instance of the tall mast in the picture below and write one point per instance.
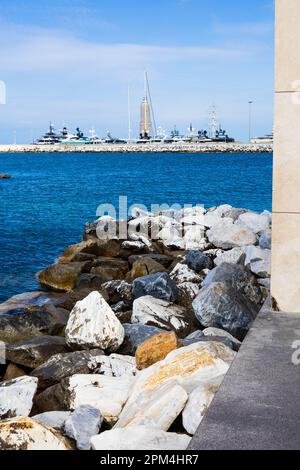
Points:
(129, 115)
(146, 97)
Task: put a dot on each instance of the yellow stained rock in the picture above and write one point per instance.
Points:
(28, 434)
(155, 349)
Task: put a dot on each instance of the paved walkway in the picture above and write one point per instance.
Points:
(258, 404)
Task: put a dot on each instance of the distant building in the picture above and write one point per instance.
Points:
(145, 122)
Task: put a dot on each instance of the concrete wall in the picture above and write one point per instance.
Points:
(285, 282)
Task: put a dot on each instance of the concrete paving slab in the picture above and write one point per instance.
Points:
(258, 404)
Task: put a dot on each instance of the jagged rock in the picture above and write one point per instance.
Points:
(107, 394)
(197, 261)
(31, 323)
(211, 219)
(258, 261)
(196, 335)
(27, 434)
(187, 368)
(265, 240)
(136, 246)
(171, 238)
(216, 339)
(28, 299)
(53, 419)
(161, 313)
(196, 407)
(13, 372)
(115, 365)
(161, 259)
(181, 273)
(110, 268)
(51, 399)
(81, 425)
(16, 396)
(141, 438)
(34, 352)
(159, 285)
(235, 256)
(221, 210)
(222, 306)
(118, 291)
(93, 324)
(227, 235)
(212, 332)
(155, 349)
(194, 238)
(84, 247)
(61, 366)
(144, 267)
(135, 335)
(238, 277)
(187, 292)
(157, 409)
(70, 299)
(89, 281)
(255, 222)
(61, 276)
(234, 213)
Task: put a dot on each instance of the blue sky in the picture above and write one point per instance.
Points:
(70, 61)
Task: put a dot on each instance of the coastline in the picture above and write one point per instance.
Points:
(126, 326)
(211, 147)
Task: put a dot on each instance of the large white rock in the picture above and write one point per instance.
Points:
(155, 408)
(187, 367)
(140, 438)
(16, 396)
(27, 434)
(258, 261)
(254, 222)
(197, 405)
(93, 324)
(171, 238)
(156, 312)
(115, 365)
(227, 234)
(108, 394)
(233, 256)
(211, 218)
(182, 273)
(194, 238)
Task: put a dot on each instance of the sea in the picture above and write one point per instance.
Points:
(44, 206)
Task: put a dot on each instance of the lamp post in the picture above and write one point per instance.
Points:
(250, 119)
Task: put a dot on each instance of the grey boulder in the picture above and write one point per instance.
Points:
(197, 261)
(239, 278)
(82, 424)
(135, 335)
(64, 365)
(159, 285)
(222, 306)
(34, 352)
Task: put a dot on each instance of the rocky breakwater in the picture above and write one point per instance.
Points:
(130, 341)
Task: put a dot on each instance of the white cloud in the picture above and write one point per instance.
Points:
(39, 50)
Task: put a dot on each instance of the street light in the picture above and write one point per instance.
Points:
(250, 119)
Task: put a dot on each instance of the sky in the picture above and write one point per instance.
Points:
(71, 62)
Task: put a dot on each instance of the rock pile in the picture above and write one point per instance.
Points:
(133, 337)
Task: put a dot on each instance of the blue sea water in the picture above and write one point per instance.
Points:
(45, 205)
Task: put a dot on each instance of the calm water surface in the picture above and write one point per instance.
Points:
(44, 206)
